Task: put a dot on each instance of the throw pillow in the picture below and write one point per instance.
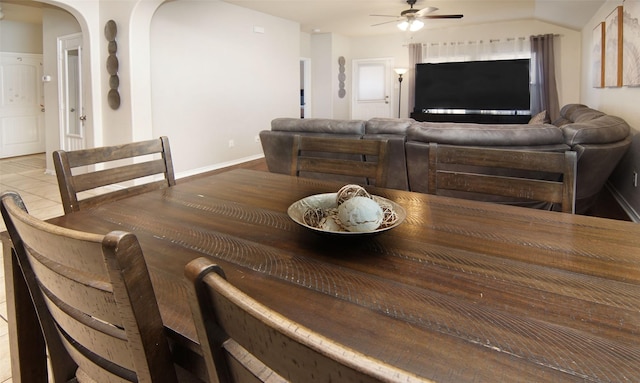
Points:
(539, 118)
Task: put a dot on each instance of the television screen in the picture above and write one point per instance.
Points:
(500, 85)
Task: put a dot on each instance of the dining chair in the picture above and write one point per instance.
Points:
(123, 170)
(94, 301)
(531, 175)
(333, 157)
(244, 341)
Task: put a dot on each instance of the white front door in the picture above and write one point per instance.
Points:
(21, 104)
(372, 86)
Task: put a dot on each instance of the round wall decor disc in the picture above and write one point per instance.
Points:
(114, 81)
(113, 97)
(110, 30)
(112, 64)
(112, 48)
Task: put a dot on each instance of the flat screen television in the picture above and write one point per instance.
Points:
(473, 86)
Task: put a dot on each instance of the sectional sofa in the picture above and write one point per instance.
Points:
(600, 141)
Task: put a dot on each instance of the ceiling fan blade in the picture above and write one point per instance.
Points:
(386, 22)
(385, 15)
(426, 10)
(442, 16)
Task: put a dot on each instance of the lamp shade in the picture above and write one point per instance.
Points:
(401, 71)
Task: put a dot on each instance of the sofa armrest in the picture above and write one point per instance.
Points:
(596, 162)
(601, 130)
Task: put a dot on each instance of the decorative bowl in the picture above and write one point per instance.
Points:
(327, 201)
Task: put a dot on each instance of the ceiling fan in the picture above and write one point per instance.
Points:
(410, 18)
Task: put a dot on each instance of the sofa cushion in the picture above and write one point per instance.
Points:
(380, 125)
(540, 118)
(485, 134)
(318, 125)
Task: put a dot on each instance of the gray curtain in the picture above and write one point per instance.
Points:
(544, 93)
(415, 57)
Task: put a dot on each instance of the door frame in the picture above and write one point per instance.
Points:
(71, 141)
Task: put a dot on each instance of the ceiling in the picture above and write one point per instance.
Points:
(352, 17)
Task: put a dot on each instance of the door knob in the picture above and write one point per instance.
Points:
(82, 118)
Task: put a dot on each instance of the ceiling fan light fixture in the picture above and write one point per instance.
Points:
(411, 25)
(415, 25)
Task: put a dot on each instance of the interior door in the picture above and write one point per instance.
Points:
(372, 89)
(71, 92)
(21, 105)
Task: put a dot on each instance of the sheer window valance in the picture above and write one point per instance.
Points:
(494, 49)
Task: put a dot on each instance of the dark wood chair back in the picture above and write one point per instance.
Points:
(94, 300)
(141, 163)
(558, 187)
(340, 157)
(245, 341)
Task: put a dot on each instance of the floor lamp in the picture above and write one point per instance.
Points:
(400, 72)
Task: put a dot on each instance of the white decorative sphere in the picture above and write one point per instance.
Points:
(360, 214)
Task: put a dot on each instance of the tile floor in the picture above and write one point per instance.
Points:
(40, 193)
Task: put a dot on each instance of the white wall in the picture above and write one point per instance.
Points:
(341, 47)
(321, 75)
(622, 102)
(326, 49)
(117, 126)
(20, 37)
(305, 44)
(214, 79)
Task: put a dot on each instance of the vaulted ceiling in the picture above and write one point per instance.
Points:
(353, 17)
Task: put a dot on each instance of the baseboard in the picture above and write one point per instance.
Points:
(209, 168)
(628, 209)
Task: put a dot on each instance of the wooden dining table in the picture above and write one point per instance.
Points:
(461, 291)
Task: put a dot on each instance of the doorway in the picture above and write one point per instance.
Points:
(71, 92)
(305, 87)
(372, 89)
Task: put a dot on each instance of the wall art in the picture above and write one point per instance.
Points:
(597, 56)
(613, 48)
(341, 77)
(110, 33)
(631, 44)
